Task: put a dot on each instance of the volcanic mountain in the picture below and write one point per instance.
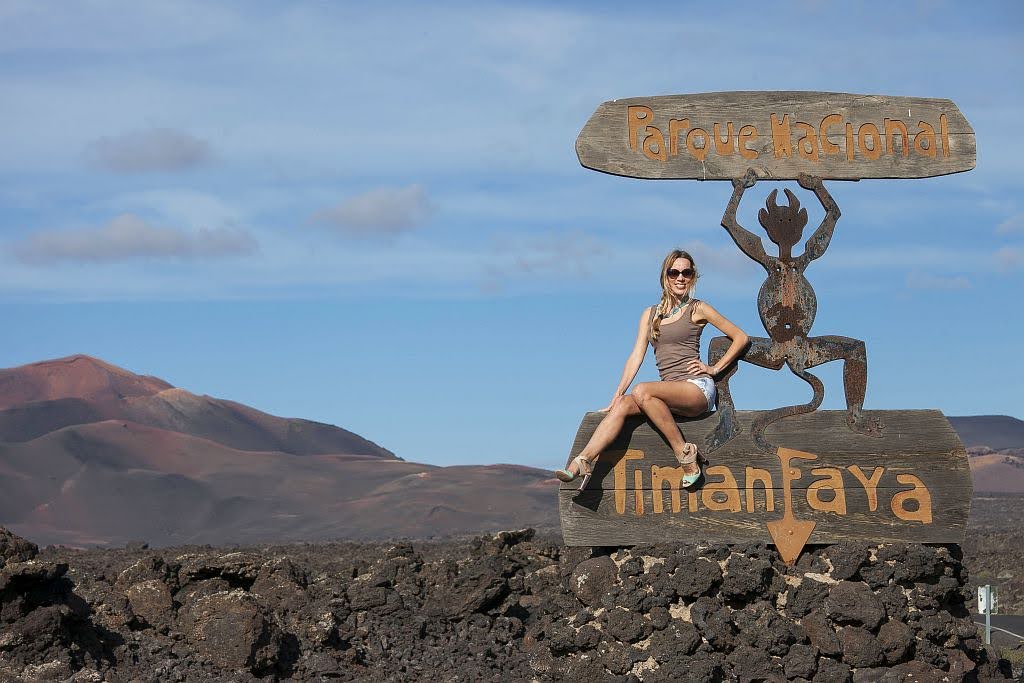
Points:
(995, 444)
(993, 431)
(92, 454)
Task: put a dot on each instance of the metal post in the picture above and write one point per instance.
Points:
(988, 614)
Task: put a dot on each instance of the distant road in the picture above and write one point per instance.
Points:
(1010, 628)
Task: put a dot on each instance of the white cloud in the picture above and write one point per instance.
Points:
(561, 255)
(1013, 224)
(570, 253)
(921, 280)
(499, 85)
(902, 255)
(577, 259)
(498, 96)
(725, 259)
(380, 212)
(129, 237)
(156, 149)
(180, 206)
(1009, 259)
(111, 28)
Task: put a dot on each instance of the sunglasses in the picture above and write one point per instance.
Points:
(673, 273)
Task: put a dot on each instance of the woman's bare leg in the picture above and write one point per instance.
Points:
(659, 400)
(608, 429)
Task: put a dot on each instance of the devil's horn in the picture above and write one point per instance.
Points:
(794, 203)
(772, 206)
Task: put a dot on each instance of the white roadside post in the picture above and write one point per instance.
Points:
(985, 607)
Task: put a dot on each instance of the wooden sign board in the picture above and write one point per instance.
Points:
(718, 136)
(825, 484)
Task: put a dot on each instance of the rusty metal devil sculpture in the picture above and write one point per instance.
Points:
(787, 305)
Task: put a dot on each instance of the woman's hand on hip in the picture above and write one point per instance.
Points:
(695, 367)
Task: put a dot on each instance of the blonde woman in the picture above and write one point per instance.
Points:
(687, 385)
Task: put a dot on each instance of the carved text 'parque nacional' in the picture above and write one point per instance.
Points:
(780, 135)
(659, 140)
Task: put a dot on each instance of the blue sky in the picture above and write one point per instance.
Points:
(376, 218)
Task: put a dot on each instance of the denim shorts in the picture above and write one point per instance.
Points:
(707, 387)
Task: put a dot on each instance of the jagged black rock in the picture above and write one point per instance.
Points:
(509, 607)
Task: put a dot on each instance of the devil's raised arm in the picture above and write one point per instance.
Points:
(818, 242)
(747, 241)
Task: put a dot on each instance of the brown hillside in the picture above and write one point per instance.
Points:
(79, 376)
(42, 397)
(994, 431)
(91, 454)
(1001, 472)
(113, 481)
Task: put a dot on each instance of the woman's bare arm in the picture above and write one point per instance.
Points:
(636, 356)
(706, 313)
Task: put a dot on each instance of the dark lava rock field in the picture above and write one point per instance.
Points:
(508, 607)
(993, 548)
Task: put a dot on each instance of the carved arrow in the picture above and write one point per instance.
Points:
(789, 533)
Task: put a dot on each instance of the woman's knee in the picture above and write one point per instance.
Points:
(641, 392)
(626, 405)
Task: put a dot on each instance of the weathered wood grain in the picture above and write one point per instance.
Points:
(605, 143)
(582, 527)
(907, 432)
(913, 484)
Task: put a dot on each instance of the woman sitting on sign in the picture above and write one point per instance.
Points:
(687, 386)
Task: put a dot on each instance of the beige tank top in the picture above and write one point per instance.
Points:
(677, 343)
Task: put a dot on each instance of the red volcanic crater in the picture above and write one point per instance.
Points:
(75, 377)
(92, 454)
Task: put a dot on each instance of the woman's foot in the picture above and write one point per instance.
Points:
(583, 466)
(690, 459)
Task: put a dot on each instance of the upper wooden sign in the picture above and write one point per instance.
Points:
(718, 136)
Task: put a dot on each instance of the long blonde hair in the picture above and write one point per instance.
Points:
(667, 299)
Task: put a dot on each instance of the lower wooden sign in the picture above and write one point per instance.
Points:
(823, 484)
